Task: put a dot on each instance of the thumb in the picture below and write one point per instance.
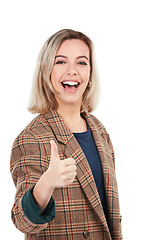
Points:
(54, 151)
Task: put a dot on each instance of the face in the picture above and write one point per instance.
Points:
(71, 72)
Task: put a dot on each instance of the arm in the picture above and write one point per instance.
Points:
(113, 158)
(29, 167)
(59, 174)
(109, 142)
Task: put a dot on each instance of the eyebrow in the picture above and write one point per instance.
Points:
(66, 56)
(60, 56)
(82, 57)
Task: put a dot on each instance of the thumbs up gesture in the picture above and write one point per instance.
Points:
(60, 172)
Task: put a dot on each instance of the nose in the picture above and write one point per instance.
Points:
(72, 69)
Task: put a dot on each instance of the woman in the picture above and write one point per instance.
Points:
(63, 162)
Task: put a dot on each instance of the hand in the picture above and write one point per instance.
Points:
(60, 172)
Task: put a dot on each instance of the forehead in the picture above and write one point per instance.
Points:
(74, 47)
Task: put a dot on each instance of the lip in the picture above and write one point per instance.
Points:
(70, 80)
(73, 90)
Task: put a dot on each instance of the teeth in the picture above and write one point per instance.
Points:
(71, 83)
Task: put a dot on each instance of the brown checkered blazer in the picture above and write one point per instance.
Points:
(79, 213)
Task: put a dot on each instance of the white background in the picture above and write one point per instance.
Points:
(126, 35)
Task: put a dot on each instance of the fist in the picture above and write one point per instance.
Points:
(60, 172)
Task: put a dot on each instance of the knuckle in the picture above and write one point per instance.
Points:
(74, 161)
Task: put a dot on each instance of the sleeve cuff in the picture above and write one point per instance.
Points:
(33, 211)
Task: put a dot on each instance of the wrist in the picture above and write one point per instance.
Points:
(47, 180)
(42, 191)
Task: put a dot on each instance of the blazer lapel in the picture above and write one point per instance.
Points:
(108, 173)
(71, 149)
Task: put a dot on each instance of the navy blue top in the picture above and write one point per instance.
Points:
(87, 143)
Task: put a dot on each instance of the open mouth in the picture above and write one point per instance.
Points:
(70, 86)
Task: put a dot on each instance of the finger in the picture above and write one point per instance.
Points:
(69, 161)
(69, 181)
(71, 168)
(71, 177)
(54, 151)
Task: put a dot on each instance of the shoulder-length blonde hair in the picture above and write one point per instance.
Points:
(42, 97)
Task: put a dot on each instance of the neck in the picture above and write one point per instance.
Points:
(72, 117)
(69, 112)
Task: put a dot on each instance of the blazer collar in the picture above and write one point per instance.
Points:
(60, 130)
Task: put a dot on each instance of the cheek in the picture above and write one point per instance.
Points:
(89, 72)
(85, 74)
(58, 72)
(55, 76)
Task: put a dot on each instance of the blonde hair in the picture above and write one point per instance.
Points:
(42, 97)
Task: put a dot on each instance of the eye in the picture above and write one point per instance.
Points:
(82, 63)
(60, 62)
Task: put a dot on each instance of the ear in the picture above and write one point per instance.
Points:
(89, 83)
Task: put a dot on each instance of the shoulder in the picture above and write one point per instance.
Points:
(32, 138)
(101, 129)
(97, 124)
(30, 141)
(34, 128)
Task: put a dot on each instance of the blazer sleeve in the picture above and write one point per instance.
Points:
(108, 139)
(28, 162)
(113, 157)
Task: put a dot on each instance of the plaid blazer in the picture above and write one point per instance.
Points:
(79, 213)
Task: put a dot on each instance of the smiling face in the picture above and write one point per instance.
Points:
(71, 72)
